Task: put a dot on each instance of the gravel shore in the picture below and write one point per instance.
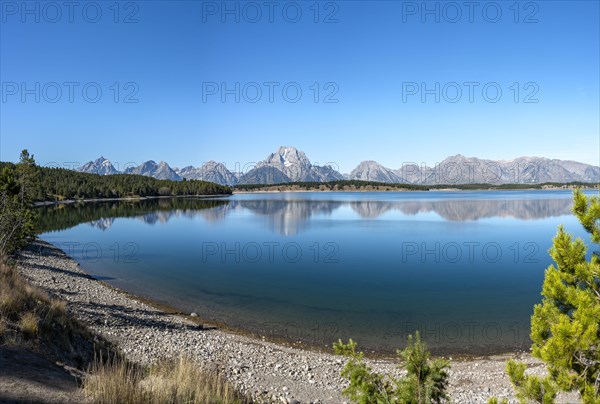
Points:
(267, 371)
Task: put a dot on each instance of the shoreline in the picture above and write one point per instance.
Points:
(131, 199)
(270, 191)
(275, 191)
(320, 348)
(267, 371)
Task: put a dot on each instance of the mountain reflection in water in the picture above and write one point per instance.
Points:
(292, 216)
(316, 266)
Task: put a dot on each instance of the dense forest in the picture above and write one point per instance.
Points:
(56, 184)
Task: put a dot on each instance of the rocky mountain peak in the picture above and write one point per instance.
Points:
(99, 166)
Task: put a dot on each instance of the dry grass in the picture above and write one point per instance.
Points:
(3, 328)
(29, 324)
(178, 381)
(186, 381)
(17, 297)
(114, 382)
(57, 313)
(29, 312)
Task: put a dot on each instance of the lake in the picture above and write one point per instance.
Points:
(465, 268)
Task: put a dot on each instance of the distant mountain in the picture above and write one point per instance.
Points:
(289, 164)
(160, 171)
(101, 166)
(210, 171)
(373, 171)
(553, 170)
(264, 175)
(290, 161)
(460, 170)
(187, 172)
(325, 174)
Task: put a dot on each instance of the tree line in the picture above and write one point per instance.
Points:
(331, 185)
(358, 184)
(24, 183)
(57, 184)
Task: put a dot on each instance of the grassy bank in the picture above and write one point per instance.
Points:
(31, 319)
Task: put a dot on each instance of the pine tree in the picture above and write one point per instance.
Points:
(28, 178)
(425, 382)
(16, 220)
(565, 327)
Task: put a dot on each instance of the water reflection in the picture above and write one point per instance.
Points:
(392, 270)
(289, 217)
(103, 224)
(461, 210)
(101, 215)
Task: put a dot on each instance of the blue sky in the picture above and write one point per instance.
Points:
(374, 58)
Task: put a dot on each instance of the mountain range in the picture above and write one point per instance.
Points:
(289, 164)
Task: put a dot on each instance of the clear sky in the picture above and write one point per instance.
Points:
(373, 58)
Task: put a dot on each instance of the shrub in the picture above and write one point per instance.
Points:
(425, 382)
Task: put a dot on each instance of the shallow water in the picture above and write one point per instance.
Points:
(465, 268)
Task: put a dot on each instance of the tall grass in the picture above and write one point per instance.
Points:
(175, 381)
(27, 310)
(29, 324)
(28, 316)
(2, 328)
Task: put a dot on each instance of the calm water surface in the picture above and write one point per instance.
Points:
(465, 268)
